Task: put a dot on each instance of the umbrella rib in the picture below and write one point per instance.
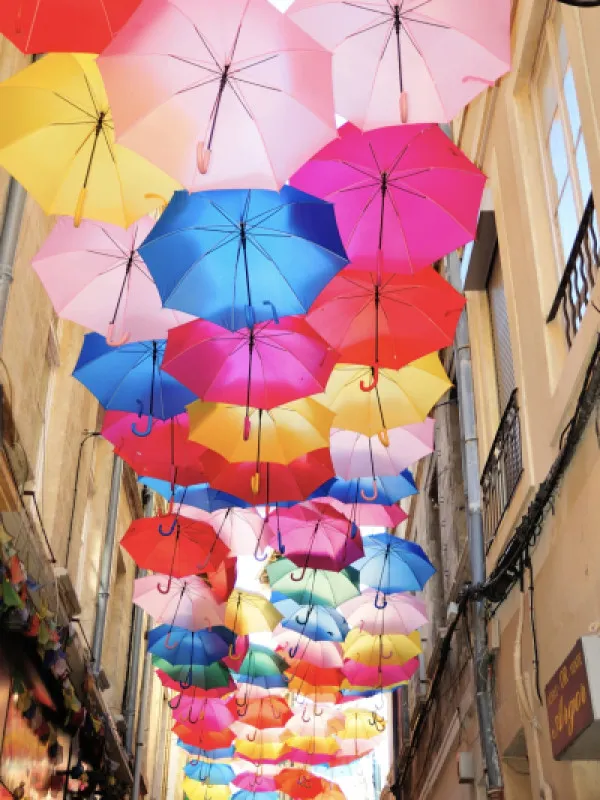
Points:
(71, 103)
(114, 241)
(254, 64)
(425, 63)
(375, 177)
(193, 63)
(367, 8)
(259, 85)
(362, 214)
(196, 85)
(368, 28)
(91, 93)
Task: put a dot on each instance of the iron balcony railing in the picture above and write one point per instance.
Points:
(502, 471)
(578, 280)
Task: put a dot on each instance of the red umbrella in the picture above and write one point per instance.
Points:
(266, 712)
(166, 453)
(278, 482)
(221, 575)
(300, 783)
(388, 320)
(198, 736)
(305, 672)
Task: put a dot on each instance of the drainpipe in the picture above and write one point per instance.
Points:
(470, 456)
(9, 239)
(136, 644)
(141, 726)
(106, 563)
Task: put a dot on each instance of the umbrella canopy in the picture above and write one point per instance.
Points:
(256, 783)
(319, 623)
(94, 276)
(265, 712)
(243, 530)
(218, 754)
(220, 100)
(213, 774)
(310, 676)
(57, 140)
(213, 676)
(249, 612)
(191, 691)
(300, 783)
(232, 257)
(327, 655)
(189, 603)
(222, 578)
(180, 646)
(389, 320)
(391, 565)
(206, 740)
(264, 366)
(313, 586)
(194, 790)
(399, 397)
(362, 679)
(200, 495)
(402, 613)
(404, 197)
(355, 455)
(213, 713)
(369, 514)
(313, 744)
(372, 651)
(260, 752)
(385, 490)
(359, 723)
(316, 721)
(261, 662)
(258, 794)
(409, 61)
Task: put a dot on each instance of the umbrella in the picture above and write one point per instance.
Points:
(385, 490)
(180, 646)
(372, 651)
(213, 676)
(218, 99)
(200, 495)
(248, 612)
(389, 320)
(95, 277)
(319, 623)
(322, 745)
(280, 435)
(316, 721)
(129, 378)
(391, 565)
(402, 613)
(219, 754)
(214, 714)
(258, 794)
(308, 759)
(264, 366)
(189, 603)
(232, 257)
(259, 751)
(368, 514)
(206, 740)
(260, 662)
(355, 454)
(375, 679)
(400, 397)
(241, 645)
(404, 197)
(253, 782)
(57, 140)
(300, 783)
(309, 675)
(409, 61)
(213, 774)
(166, 453)
(322, 654)
(43, 26)
(359, 723)
(222, 578)
(265, 712)
(243, 530)
(191, 691)
(313, 586)
(194, 790)
(319, 538)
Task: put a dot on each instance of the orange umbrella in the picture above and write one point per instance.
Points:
(266, 712)
(300, 783)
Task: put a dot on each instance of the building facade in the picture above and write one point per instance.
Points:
(533, 314)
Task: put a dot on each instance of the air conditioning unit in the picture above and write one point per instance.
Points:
(465, 766)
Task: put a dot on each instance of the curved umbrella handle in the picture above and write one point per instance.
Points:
(305, 719)
(202, 158)
(188, 682)
(258, 558)
(300, 577)
(243, 704)
(110, 337)
(194, 762)
(255, 483)
(168, 644)
(273, 311)
(147, 430)
(293, 651)
(318, 712)
(303, 622)
(376, 601)
(370, 497)
(202, 567)
(387, 656)
(189, 716)
(384, 437)
(170, 530)
(242, 710)
(232, 653)
(250, 737)
(175, 706)
(166, 589)
(374, 381)
(151, 196)
(353, 529)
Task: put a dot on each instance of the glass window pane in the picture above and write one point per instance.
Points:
(571, 102)
(584, 171)
(568, 221)
(558, 152)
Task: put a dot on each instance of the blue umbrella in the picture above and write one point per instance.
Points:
(284, 604)
(360, 490)
(391, 565)
(129, 378)
(180, 646)
(262, 681)
(237, 257)
(222, 753)
(200, 495)
(213, 774)
(244, 794)
(318, 623)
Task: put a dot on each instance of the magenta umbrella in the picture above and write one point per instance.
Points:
(355, 455)
(211, 713)
(263, 366)
(402, 613)
(219, 99)
(243, 530)
(253, 782)
(367, 513)
(409, 60)
(404, 197)
(378, 677)
(94, 276)
(188, 602)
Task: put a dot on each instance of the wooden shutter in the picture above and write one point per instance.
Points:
(505, 373)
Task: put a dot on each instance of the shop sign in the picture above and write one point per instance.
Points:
(573, 703)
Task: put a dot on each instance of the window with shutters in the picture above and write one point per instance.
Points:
(503, 359)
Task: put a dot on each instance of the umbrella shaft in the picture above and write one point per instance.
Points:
(217, 106)
(398, 29)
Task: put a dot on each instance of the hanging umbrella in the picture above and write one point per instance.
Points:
(206, 740)
(232, 257)
(255, 783)
(391, 565)
(189, 603)
(261, 662)
(321, 654)
(250, 794)
(260, 752)
(239, 650)
(298, 757)
(371, 651)
(409, 61)
(249, 612)
(243, 530)
(399, 397)
(43, 26)
(180, 646)
(213, 713)
(318, 538)
(321, 745)
(95, 277)
(222, 578)
(194, 790)
(315, 720)
(311, 676)
(191, 691)
(402, 613)
(199, 495)
(404, 197)
(360, 723)
(368, 514)
(385, 490)
(57, 140)
(265, 712)
(313, 586)
(355, 455)
(376, 679)
(321, 694)
(389, 320)
(319, 623)
(213, 676)
(300, 783)
(129, 378)
(217, 99)
(213, 774)
(220, 754)
(263, 366)
(280, 435)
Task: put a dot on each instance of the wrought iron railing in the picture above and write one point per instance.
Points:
(578, 280)
(502, 471)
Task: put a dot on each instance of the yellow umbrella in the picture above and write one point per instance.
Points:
(57, 139)
(195, 790)
(260, 750)
(318, 694)
(401, 397)
(249, 612)
(322, 745)
(361, 724)
(391, 649)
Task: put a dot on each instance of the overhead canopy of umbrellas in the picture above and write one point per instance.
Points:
(265, 316)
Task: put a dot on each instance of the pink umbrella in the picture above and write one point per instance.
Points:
(188, 603)
(409, 61)
(367, 513)
(378, 677)
(404, 197)
(95, 277)
(213, 714)
(355, 455)
(240, 649)
(253, 782)
(219, 100)
(327, 655)
(243, 530)
(315, 720)
(402, 613)
(263, 366)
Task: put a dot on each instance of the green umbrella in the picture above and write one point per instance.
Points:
(210, 677)
(261, 662)
(318, 587)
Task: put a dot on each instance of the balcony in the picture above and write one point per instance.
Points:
(579, 278)
(502, 471)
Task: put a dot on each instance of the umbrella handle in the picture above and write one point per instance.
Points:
(201, 567)
(255, 483)
(370, 497)
(187, 683)
(293, 651)
(168, 644)
(79, 207)
(353, 530)
(256, 555)
(280, 544)
(189, 716)
(169, 530)
(166, 589)
(304, 719)
(247, 428)
(151, 196)
(273, 311)
(175, 706)
(251, 738)
(374, 381)
(303, 622)
(301, 577)
(242, 710)
(147, 430)
(111, 341)
(203, 158)
(387, 657)
(384, 437)
(376, 601)
(232, 653)
(403, 103)
(318, 712)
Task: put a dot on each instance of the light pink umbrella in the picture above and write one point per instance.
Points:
(325, 721)
(95, 277)
(327, 655)
(355, 455)
(368, 514)
(409, 60)
(402, 613)
(222, 97)
(243, 530)
(189, 603)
